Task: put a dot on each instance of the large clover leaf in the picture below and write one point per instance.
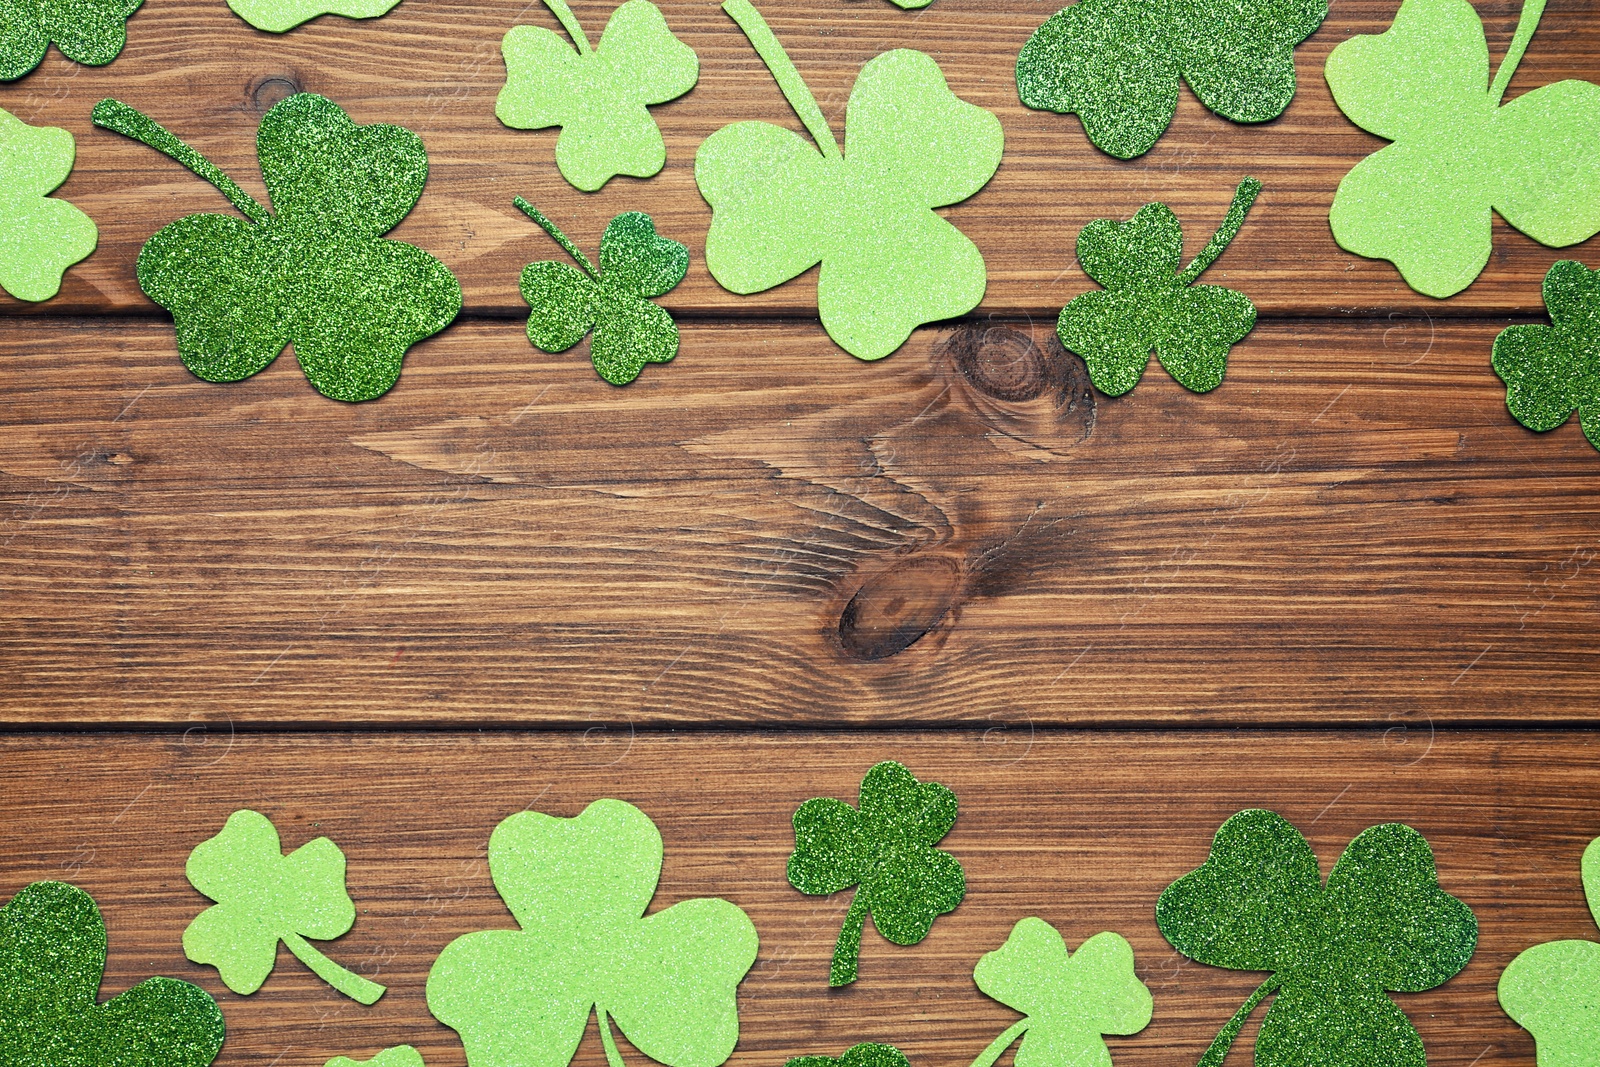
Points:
(1553, 990)
(1425, 202)
(281, 16)
(317, 272)
(91, 32)
(579, 889)
(1381, 923)
(1116, 63)
(52, 956)
(1552, 371)
(40, 236)
(779, 206)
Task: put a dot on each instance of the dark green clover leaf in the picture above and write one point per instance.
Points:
(1381, 923)
(316, 271)
(629, 331)
(52, 956)
(1149, 305)
(885, 848)
(91, 32)
(1552, 371)
(864, 1055)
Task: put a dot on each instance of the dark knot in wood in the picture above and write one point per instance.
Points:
(895, 608)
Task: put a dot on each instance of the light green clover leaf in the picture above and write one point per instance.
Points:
(779, 206)
(263, 897)
(399, 1056)
(91, 32)
(578, 889)
(1425, 202)
(599, 98)
(1552, 371)
(40, 236)
(281, 16)
(1553, 990)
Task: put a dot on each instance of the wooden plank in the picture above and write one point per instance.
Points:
(434, 66)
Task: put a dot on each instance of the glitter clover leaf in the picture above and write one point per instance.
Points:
(40, 236)
(1552, 371)
(1116, 63)
(91, 32)
(317, 271)
(1553, 990)
(863, 1055)
(578, 889)
(1426, 202)
(779, 207)
(1381, 923)
(263, 897)
(1148, 304)
(52, 957)
(886, 848)
(599, 98)
(629, 331)
(399, 1056)
(281, 16)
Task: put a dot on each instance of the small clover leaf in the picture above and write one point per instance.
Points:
(52, 956)
(399, 1056)
(886, 848)
(863, 1055)
(629, 331)
(1552, 371)
(40, 236)
(1149, 305)
(281, 16)
(91, 32)
(1553, 990)
(264, 897)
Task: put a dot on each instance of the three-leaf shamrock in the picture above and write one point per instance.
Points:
(91, 32)
(864, 1055)
(629, 331)
(1149, 305)
(1552, 371)
(579, 888)
(40, 236)
(281, 16)
(886, 848)
(1553, 990)
(1116, 63)
(317, 273)
(779, 207)
(1381, 923)
(264, 897)
(599, 98)
(52, 955)
(1425, 202)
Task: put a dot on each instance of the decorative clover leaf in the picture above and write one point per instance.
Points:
(1116, 63)
(40, 236)
(1148, 304)
(399, 1056)
(629, 331)
(52, 956)
(579, 888)
(1381, 923)
(318, 272)
(1552, 371)
(264, 897)
(1553, 990)
(779, 207)
(599, 98)
(885, 847)
(864, 1055)
(1424, 202)
(91, 32)
(280, 16)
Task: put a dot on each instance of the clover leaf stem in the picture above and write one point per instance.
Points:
(569, 22)
(1243, 197)
(1224, 1039)
(847, 950)
(130, 122)
(1527, 22)
(349, 983)
(987, 1057)
(783, 70)
(555, 231)
(613, 1057)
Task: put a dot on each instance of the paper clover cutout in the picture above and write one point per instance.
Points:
(317, 272)
(599, 98)
(579, 888)
(1425, 202)
(91, 32)
(1068, 1001)
(1552, 371)
(886, 848)
(779, 207)
(864, 1055)
(1148, 304)
(399, 1056)
(264, 897)
(1116, 63)
(1381, 923)
(40, 236)
(52, 956)
(1553, 990)
(629, 331)
(280, 16)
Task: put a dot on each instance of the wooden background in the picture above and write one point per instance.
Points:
(1345, 585)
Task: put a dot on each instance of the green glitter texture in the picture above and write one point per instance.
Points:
(52, 957)
(399, 1056)
(1149, 305)
(91, 32)
(1116, 63)
(629, 331)
(1381, 923)
(264, 897)
(40, 235)
(579, 889)
(1552, 371)
(316, 273)
(1553, 990)
(281, 16)
(886, 848)
(864, 1055)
